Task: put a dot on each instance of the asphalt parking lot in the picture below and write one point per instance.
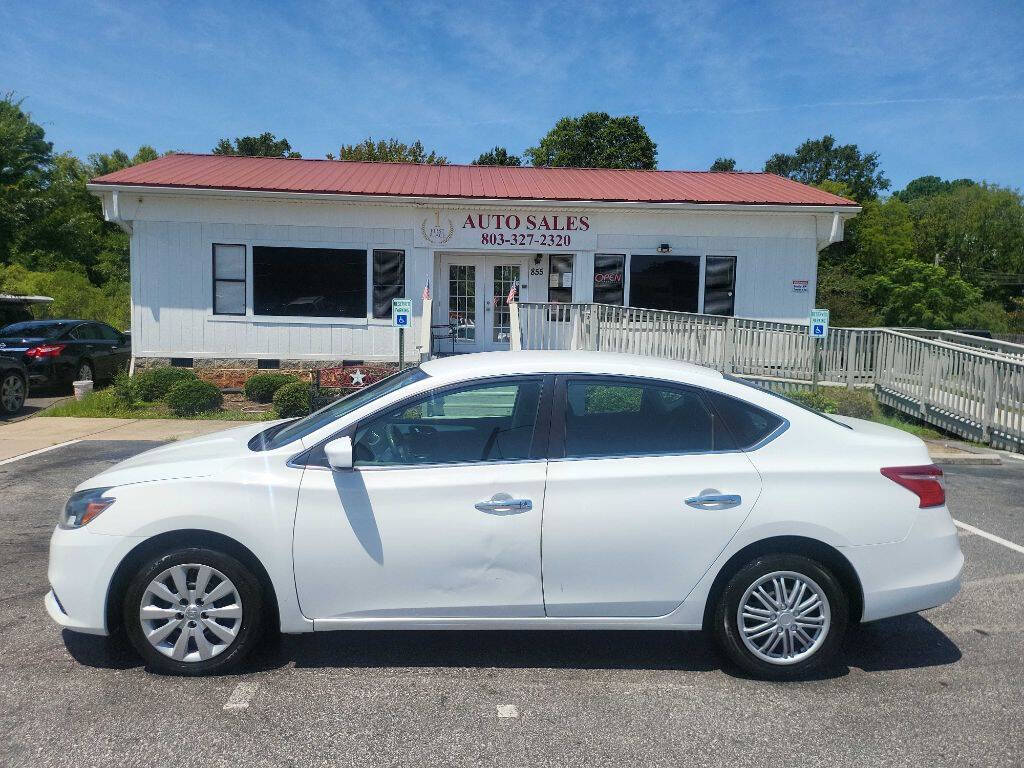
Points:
(940, 688)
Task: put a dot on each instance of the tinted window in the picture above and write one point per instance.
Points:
(309, 282)
(798, 404)
(664, 282)
(747, 423)
(86, 331)
(482, 422)
(282, 434)
(108, 334)
(388, 280)
(35, 330)
(609, 418)
(608, 278)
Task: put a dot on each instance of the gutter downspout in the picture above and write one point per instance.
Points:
(113, 215)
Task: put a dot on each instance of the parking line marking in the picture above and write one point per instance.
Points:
(36, 453)
(242, 695)
(990, 537)
(508, 710)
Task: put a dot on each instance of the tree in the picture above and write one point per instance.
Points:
(914, 293)
(926, 186)
(264, 145)
(498, 156)
(723, 164)
(101, 164)
(819, 160)
(389, 151)
(25, 162)
(596, 140)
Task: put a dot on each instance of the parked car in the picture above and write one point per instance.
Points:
(13, 386)
(57, 352)
(15, 308)
(666, 495)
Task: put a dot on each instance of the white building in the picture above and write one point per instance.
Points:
(293, 263)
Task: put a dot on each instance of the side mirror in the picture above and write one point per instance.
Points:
(339, 453)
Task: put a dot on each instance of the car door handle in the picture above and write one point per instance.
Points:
(501, 502)
(714, 501)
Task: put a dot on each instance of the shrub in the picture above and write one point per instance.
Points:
(858, 403)
(292, 400)
(192, 396)
(261, 387)
(157, 382)
(819, 401)
(123, 391)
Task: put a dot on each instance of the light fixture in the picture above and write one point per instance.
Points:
(537, 258)
(664, 248)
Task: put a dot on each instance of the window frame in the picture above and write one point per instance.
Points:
(244, 280)
(539, 446)
(560, 406)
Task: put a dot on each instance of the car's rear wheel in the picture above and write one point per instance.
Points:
(193, 611)
(781, 616)
(12, 393)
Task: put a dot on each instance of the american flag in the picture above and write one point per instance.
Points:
(512, 294)
(426, 291)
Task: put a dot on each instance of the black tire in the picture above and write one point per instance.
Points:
(250, 594)
(12, 397)
(728, 635)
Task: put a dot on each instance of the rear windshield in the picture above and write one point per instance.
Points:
(282, 434)
(35, 329)
(789, 400)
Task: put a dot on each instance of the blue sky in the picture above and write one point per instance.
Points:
(934, 87)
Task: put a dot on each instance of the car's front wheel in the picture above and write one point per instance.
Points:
(781, 616)
(193, 611)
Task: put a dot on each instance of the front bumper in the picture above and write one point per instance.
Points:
(922, 571)
(82, 564)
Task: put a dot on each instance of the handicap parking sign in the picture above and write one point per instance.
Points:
(401, 319)
(817, 324)
(401, 309)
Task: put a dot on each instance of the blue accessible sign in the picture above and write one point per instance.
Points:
(817, 325)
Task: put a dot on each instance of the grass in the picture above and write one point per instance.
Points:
(923, 431)
(102, 404)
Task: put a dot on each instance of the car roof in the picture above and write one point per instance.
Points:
(460, 367)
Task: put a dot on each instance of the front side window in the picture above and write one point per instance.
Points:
(228, 279)
(388, 280)
(664, 282)
(609, 273)
(606, 417)
(309, 282)
(493, 421)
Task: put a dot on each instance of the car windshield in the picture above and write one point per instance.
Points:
(35, 329)
(789, 400)
(282, 434)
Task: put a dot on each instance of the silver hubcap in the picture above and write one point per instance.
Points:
(191, 612)
(12, 393)
(84, 373)
(783, 617)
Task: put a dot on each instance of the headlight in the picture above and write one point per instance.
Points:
(83, 507)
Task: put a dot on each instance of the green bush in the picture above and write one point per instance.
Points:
(819, 401)
(292, 400)
(123, 391)
(157, 382)
(261, 387)
(192, 396)
(858, 403)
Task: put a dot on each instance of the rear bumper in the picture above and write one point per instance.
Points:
(922, 571)
(81, 566)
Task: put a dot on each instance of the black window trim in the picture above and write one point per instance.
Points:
(538, 447)
(560, 402)
(244, 279)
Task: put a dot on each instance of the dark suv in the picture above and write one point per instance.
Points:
(57, 352)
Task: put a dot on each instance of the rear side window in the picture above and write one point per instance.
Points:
(605, 417)
(748, 424)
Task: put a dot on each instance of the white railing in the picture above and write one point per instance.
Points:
(759, 348)
(991, 346)
(968, 392)
(971, 392)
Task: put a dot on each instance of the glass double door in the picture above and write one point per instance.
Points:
(477, 288)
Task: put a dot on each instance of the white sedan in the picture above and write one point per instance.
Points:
(533, 490)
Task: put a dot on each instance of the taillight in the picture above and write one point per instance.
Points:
(925, 481)
(45, 350)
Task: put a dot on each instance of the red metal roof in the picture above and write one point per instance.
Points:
(275, 174)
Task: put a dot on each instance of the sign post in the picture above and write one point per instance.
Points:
(817, 329)
(401, 311)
